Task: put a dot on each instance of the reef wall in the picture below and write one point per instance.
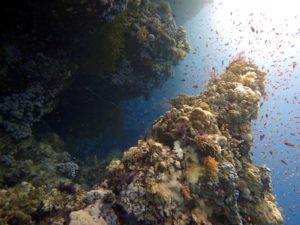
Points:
(52, 52)
(195, 165)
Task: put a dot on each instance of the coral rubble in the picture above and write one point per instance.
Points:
(196, 166)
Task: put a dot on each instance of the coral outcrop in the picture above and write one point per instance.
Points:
(196, 166)
(159, 43)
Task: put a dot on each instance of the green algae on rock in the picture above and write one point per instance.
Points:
(196, 167)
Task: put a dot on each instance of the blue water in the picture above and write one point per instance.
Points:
(217, 33)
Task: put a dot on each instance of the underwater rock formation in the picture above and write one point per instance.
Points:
(33, 187)
(110, 8)
(81, 45)
(153, 43)
(196, 166)
(29, 89)
(40, 183)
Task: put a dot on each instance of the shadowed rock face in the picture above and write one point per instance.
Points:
(196, 167)
(57, 55)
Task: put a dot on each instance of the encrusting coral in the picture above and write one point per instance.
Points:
(196, 166)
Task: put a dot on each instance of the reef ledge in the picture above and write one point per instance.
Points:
(195, 165)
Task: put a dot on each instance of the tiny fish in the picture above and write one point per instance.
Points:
(288, 144)
(284, 162)
(195, 86)
(261, 137)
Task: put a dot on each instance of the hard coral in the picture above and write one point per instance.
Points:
(207, 145)
(201, 141)
(217, 179)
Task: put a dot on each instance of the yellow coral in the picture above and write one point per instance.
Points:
(162, 190)
(133, 154)
(194, 172)
(142, 34)
(115, 165)
(180, 53)
(238, 67)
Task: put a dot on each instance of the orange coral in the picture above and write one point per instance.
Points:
(186, 192)
(211, 163)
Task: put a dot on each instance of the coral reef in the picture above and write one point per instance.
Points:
(40, 183)
(29, 90)
(109, 9)
(202, 174)
(32, 187)
(108, 43)
(154, 44)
